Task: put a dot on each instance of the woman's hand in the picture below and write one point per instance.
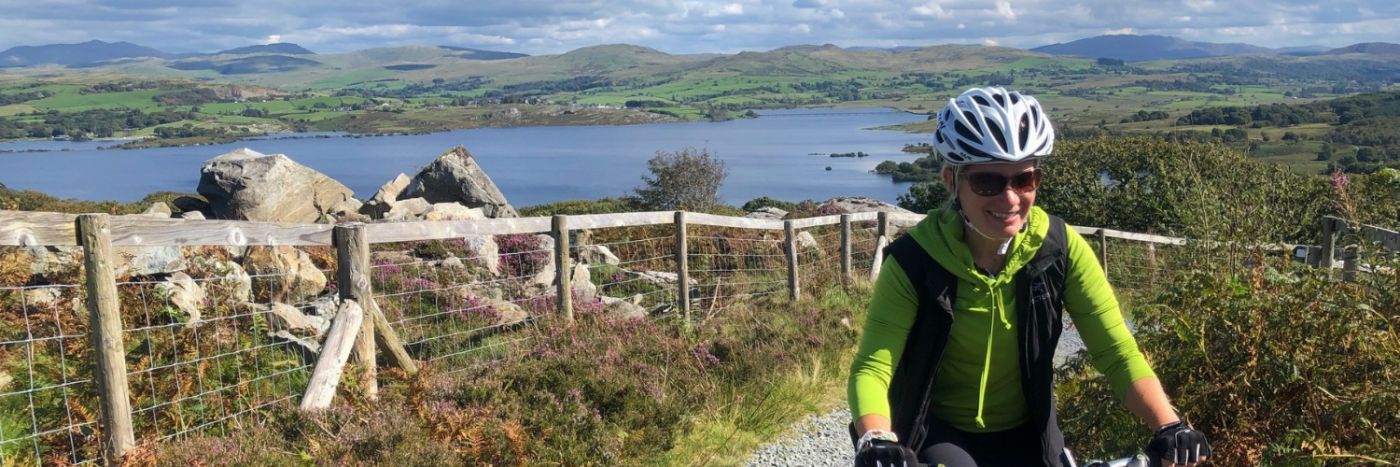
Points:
(1177, 444)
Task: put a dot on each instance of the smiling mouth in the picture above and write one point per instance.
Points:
(1002, 214)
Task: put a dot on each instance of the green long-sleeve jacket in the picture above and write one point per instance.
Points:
(978, 387)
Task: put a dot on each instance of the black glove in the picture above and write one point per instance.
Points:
(1177, 443)
(882, 453)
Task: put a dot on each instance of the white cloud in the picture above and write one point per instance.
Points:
(273, 39)
(931, 9)
(685, 26)
(1004, 10)
(1112, 32)
(989, 42)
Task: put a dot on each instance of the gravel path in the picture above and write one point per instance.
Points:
(823, 441)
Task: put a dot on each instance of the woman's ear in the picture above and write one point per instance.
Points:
(949, 177)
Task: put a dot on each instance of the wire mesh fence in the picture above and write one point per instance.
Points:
(209, 346)
(48, 400)
(217, 335)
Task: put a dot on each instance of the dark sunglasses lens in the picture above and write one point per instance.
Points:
(986, 183)
(992, 184)
(1026, 182)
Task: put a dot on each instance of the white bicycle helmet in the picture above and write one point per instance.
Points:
(992, 125)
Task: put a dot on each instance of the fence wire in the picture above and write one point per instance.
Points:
(214, 343)
(235, 332)
(48, 400)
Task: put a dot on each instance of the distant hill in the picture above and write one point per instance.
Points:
(74, 54)
(286, 48)
(478, 54)
(1136, 48)
(1374, 48)
(1302, 51)
(240, 66)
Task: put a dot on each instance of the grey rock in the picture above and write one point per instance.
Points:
(484, 252)
(582, 284)
(50, 261)
(148, 261)
(408, 209)
(456, 177)
(383, 201)
(594, 254)
(247, 185)
(192, 215)
(768, 213)
(452, 212)
(854, 204)
(805, 240)
(226, 279)
(185, 295)
(191, 204)
(158, 209)
(288, 272)
(625, 307)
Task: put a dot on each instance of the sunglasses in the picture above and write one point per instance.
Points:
(992, 184)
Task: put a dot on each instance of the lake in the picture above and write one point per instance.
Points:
(771, 155)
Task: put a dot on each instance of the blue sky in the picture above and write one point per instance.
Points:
(690, 26)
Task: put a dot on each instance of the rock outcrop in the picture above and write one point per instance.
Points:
(455, 177)
(247, 185)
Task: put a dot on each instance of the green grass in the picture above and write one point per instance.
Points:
(72, 101)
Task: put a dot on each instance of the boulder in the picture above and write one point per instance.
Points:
(192, 215)
(805, 240)
(452, 212)
(288, 318)
(185, 295)
(226, 279)
(663, 279)
(287, 272)
(51, 298)
(768, 213)
(582, 284)
(191, 204)
(159, 210)
(52, 261)
(456, 177)
(321, 311)
(247, 185)
(627, 308)
(595, 254)
(383, 200)
(408, 209)
(485, 252)
(854, 204)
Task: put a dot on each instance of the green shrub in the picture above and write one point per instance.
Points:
(1277, 367)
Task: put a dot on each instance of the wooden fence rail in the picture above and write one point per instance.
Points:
(367, 326)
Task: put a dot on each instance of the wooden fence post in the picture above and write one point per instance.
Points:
(846, 248)
(104, 313)
(563, 268)
(791, 247)
(361, 289)
(1329, 244)
(352, 278)
(682, 268)
(1103, 250)
(345, 328)
(883, 229)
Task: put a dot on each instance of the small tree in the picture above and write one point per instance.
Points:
(924, 197)
(686, 180)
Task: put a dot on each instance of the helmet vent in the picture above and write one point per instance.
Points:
(1000, 100)
(1025, 132)
(997, 133)
(981, 100)
(965, 132)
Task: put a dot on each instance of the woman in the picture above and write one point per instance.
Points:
(955, 364)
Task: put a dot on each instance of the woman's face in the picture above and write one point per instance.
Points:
(1002, 214)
